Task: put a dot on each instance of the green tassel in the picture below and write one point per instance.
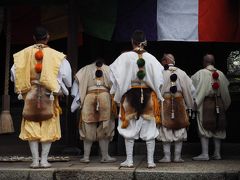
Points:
(140, 62)
(141, 74)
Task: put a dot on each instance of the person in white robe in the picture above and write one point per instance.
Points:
(173, 129)
(211, 83)
(137, 78)
(91, 94)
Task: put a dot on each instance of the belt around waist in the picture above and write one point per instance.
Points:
(168, 95)
(212, 95)
(97, 91)
(139, 87)
(96, 87)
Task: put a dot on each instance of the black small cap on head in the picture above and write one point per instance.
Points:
(40, 33)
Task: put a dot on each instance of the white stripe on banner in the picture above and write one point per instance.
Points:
(177, 20)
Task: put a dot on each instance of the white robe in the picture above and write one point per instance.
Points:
(123, 71)
(184, 84)
(202, 80)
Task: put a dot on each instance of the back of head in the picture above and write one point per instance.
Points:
(138, 38)
(208, 59)
(40, 33)
(99, 62)
(168, 59)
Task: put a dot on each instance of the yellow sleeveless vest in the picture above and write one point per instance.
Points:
(24, 64)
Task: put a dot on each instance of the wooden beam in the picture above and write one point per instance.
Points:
(30, 2)
(72, 56)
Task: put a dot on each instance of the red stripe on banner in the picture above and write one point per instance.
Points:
(218, 20)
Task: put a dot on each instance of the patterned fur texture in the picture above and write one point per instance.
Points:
(89, 110)
(31, 111)
(211, 120)
(133, 97)
(181, 119)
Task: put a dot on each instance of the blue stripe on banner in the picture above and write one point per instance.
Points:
(135, 14)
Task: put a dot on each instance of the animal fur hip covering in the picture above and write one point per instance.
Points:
(212, 120)
(96, 107)
(37, 104)
(133, 98)
(176, 105)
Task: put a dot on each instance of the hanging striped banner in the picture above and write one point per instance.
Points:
(180, 20)
(115, 20)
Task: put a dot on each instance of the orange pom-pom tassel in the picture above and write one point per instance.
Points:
(38, 67)
(39, 55)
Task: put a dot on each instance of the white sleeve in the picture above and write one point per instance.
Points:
(65, 76)
(76, 94)
(193, 91)
(114, 83)
(66, 72)
(12, 74)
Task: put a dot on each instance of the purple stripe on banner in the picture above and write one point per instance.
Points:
(136, 14)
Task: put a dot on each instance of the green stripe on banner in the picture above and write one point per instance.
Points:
(99, 17)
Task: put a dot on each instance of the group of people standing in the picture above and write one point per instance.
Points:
(155, 100)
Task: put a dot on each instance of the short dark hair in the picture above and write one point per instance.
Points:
(138, 36)
(40, 33)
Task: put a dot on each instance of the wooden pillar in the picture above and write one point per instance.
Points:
(72, 53)
(72, 56)
(6, 123)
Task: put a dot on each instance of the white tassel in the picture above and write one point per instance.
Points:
(189, 112)
(51, 96)
(142, 96)
(172, 113)
(97, 107)
(217, 109)
(98, 83)
(193, 114)
(20, 97)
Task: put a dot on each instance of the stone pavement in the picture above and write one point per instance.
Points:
(228, 169)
